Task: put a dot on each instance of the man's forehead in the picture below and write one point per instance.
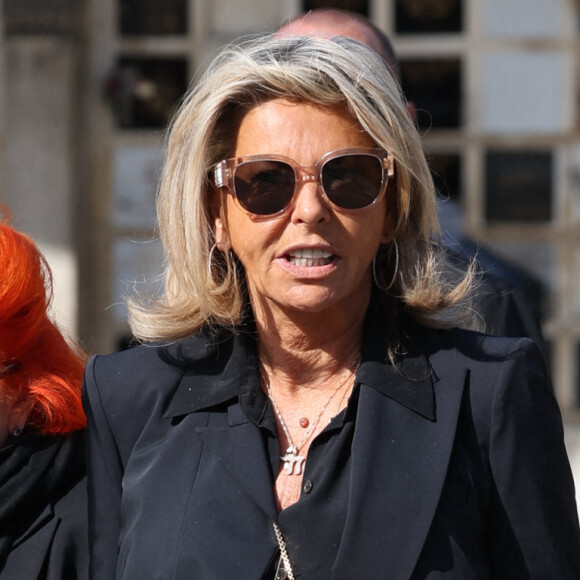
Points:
(328, 25)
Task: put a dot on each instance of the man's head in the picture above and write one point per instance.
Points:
(327, 23)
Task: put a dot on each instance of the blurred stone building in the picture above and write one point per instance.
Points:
(87, 88)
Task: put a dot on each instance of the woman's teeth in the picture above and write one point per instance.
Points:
(310, 257)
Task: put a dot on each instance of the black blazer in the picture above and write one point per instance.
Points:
(52, 539)
(458, 462)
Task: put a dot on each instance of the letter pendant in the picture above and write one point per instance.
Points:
(292, 461)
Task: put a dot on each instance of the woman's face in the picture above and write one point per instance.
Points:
(277, 253)
(4, 417)
(11, 416)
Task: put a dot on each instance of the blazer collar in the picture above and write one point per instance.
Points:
(410, 382)
(213, 368)
(219, 369)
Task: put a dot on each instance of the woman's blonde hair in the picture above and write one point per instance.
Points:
(201, 285)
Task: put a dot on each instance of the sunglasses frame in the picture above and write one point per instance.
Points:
(224, 176)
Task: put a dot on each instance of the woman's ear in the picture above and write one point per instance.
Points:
(219, 222)
(221, 236)
(388, 229)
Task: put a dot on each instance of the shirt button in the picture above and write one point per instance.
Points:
(307, 486)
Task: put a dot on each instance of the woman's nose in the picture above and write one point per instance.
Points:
(310, 205)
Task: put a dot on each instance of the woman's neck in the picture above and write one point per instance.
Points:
(308, 348)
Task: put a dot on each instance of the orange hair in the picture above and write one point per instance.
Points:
(39, 370)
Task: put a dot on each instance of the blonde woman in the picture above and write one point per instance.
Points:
(302, 405)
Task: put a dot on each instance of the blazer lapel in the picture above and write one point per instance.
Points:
(218, 377)
(240, 448)
(399, 462)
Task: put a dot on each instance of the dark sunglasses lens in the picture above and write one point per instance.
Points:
(264, 187)
(352, 181)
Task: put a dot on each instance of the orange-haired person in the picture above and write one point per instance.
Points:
(43, 523)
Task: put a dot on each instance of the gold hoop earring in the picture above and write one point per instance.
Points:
(395, 271)
(210, 261)
(230, 270)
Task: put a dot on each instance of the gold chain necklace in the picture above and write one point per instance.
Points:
(284, 569)
(293, 461)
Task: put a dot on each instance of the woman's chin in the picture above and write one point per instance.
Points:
(316, 299)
